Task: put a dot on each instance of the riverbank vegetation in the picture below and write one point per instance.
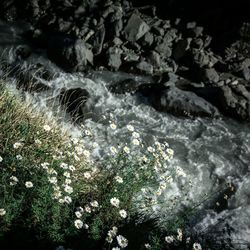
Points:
(52, 192)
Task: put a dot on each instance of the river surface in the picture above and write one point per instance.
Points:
(211, 151)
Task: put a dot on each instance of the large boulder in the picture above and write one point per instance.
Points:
(231, 100)
(135, 29)
(69, 53)
(180, 103)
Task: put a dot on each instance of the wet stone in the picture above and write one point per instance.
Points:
(135, 29)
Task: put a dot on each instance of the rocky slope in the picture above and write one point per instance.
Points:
(190, 78)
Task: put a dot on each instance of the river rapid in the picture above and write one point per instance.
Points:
(212, 152)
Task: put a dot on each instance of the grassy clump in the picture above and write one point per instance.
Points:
(50, 186)
(38, 183)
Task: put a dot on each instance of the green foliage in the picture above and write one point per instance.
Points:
(50, 186)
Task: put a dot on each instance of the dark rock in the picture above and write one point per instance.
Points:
(145, 67)
(147, 40)
(232, 101)
(117, 41)
(180, 48)
(191, 25)
(114, 58)
(64, 26)
(204, 58)
(158, 31)
(170, 36)
(125, 86)
(135, 29)
(154, 58)
(246, 69)
(210, 75)
(197, 43)
(197, 31)
(164, 49)
(181, 103)
(69, 53)
(23, 52)
(129, 55)
(74, 101)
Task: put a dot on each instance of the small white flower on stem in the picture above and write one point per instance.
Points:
(78, 224)
(169, 239)
(122, 241)
(47, 128)
(2, 211)
(123, 213)
(115, 202)
(67, 199)
(126, 150)
(130, 128)
(17, 145)
(119, 179)
(113, 126)
(94, 204)
(28, 184)
(197, 246)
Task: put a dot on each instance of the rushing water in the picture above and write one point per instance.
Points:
(211, 151)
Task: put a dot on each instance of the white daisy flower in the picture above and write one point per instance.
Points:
(169, 239)
(170, 151)
(13, 179)
(113, 150)
(78, 214)
(87, 175)
(38, 142)
(68, 181)
(136, 135)
(67, 199)
(61, 201)
(52, 180)
(45, 165)
(72, 168)
(78, 224)
(113, 126)
(87, 132)
(47, 128)
(122, 241)
(109, 239)
(17, 145)
(86, 153)
(119, 179)
(123, 213)
(130, 128)
(28, 184)
(66, 174)
(86, 226)
(68, 189)
(197, 246)
(180, 172)
(2, 211)
(150, 149)
(1, 159)
(126, 150)
(115, 202)
(87, 209)
(57, 194)
(94, 204)
(64, 165)
(136, 142)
